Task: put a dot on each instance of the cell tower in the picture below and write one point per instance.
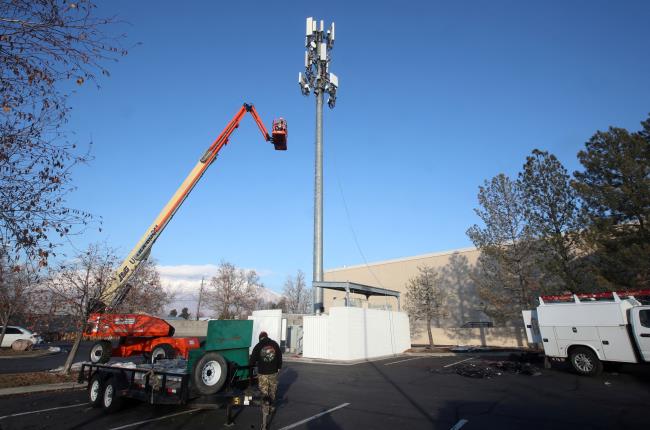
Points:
(317, 78)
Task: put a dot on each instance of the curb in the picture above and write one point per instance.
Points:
(41, 388)
(332, 362)
(432, 354)
(341, 362)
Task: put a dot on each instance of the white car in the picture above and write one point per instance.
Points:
(15, 333)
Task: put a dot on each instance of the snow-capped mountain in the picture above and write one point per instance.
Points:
(184, 282)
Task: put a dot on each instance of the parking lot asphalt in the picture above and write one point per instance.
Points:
(46, 362)
(397, 393)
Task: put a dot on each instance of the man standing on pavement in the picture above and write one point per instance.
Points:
(268, 357)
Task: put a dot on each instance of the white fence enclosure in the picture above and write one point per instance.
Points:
(349, 333)
(269, 321)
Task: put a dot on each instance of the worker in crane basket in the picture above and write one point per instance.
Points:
(268, 358)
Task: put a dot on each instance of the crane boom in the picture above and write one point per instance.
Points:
(118, 287)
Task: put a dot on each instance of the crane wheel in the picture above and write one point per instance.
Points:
(163, 351)
(100, 352)
(209, 373)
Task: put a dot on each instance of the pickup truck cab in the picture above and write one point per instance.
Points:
(589, 329)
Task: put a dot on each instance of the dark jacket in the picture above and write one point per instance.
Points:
(267, 356)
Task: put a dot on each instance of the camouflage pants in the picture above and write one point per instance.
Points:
(268, 387)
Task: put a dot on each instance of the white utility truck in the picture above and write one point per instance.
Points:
(590, 329)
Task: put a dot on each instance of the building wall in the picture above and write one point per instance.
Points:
(184, 327)
(507, 337)
(463, 303)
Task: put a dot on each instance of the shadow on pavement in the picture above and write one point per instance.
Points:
(323, 423)
(287, 377)
(405, 395)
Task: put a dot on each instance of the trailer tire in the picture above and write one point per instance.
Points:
(210, 373)
(112, 401)
(162, 351)
(95, 391)
(585, 361)
(100, 352)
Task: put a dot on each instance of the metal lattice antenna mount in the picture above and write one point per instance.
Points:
(317, 77)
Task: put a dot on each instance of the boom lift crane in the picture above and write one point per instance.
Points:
(141, 333)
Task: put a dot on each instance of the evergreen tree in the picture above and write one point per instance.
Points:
(615, 186)
(505, 270)
(552, 211)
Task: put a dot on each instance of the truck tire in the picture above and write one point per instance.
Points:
(585, 361)
(100, 352)
(209, 373)
(95, 391)
(162, 351)
(111, 399)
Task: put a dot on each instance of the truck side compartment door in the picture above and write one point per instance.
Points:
(549, 342)
(532, 326)
(641, 327)
(616, 344)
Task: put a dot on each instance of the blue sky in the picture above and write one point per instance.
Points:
(434, 98)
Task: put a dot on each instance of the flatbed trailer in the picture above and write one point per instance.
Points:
(108, 385)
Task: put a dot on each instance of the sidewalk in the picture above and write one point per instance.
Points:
(40, 388)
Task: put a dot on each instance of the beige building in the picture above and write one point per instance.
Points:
(463, 305)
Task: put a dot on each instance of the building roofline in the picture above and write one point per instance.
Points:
(399, 260)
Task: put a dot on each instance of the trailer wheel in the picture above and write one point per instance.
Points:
(163, 351)
(95, 391)
(585, 362)
(100, 352)
(209, 373)
(111, 399)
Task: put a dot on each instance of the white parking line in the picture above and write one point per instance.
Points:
(154, 419)
(402, 361)
(20, 414)
(306, 420)
(459, 424)
(458, 362)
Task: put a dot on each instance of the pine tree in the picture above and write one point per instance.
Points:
(615, 187)
(505, 272)
(552, 211)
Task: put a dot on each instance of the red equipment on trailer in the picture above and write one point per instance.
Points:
(139, 334)
(146, 334)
